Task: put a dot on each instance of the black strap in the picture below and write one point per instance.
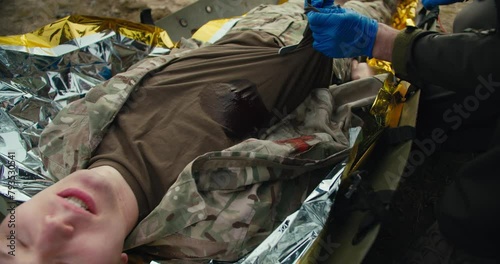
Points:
(147, 17)
(360, 196)
(426, 18)
(394, 136)
(376, 204)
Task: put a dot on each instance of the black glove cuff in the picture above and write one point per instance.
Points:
(401, 53)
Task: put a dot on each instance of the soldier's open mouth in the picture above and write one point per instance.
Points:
(79, 198)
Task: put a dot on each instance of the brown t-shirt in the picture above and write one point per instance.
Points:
(205, 101)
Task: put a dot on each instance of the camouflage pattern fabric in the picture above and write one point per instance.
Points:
(274, 18)
(68, 142)
(219, 206)
(287, 21)
(382, 11)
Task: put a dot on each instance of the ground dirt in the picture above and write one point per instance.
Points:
(23, 16)
(414, 201)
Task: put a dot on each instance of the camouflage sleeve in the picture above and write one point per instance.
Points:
(286, 21)
(69, 140)
(380, 10)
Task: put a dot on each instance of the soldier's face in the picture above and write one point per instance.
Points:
(76, 220)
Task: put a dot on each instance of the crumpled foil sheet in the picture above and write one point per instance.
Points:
(36, 82)
(291, 240)
(387, 106)
(42, 71)
(405, 14)
(297, 233)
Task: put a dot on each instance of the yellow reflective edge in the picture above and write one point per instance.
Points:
(206, 32)
(77, 26)
(387, 106)
(211, 28)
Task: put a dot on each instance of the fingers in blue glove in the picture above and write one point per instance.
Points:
(340, 33)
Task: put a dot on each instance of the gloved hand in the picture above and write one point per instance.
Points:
(430, 4)
(318, 3)
(342, 33)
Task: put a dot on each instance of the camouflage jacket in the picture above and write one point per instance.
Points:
(224, 203)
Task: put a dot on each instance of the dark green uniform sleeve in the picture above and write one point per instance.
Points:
(455, 61)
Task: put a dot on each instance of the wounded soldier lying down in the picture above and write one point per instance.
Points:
(155, 161)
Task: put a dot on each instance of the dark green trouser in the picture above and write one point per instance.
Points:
(469, 211)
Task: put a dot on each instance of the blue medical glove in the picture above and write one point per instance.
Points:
(342, 33)
(429, 4)
(318, 3)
